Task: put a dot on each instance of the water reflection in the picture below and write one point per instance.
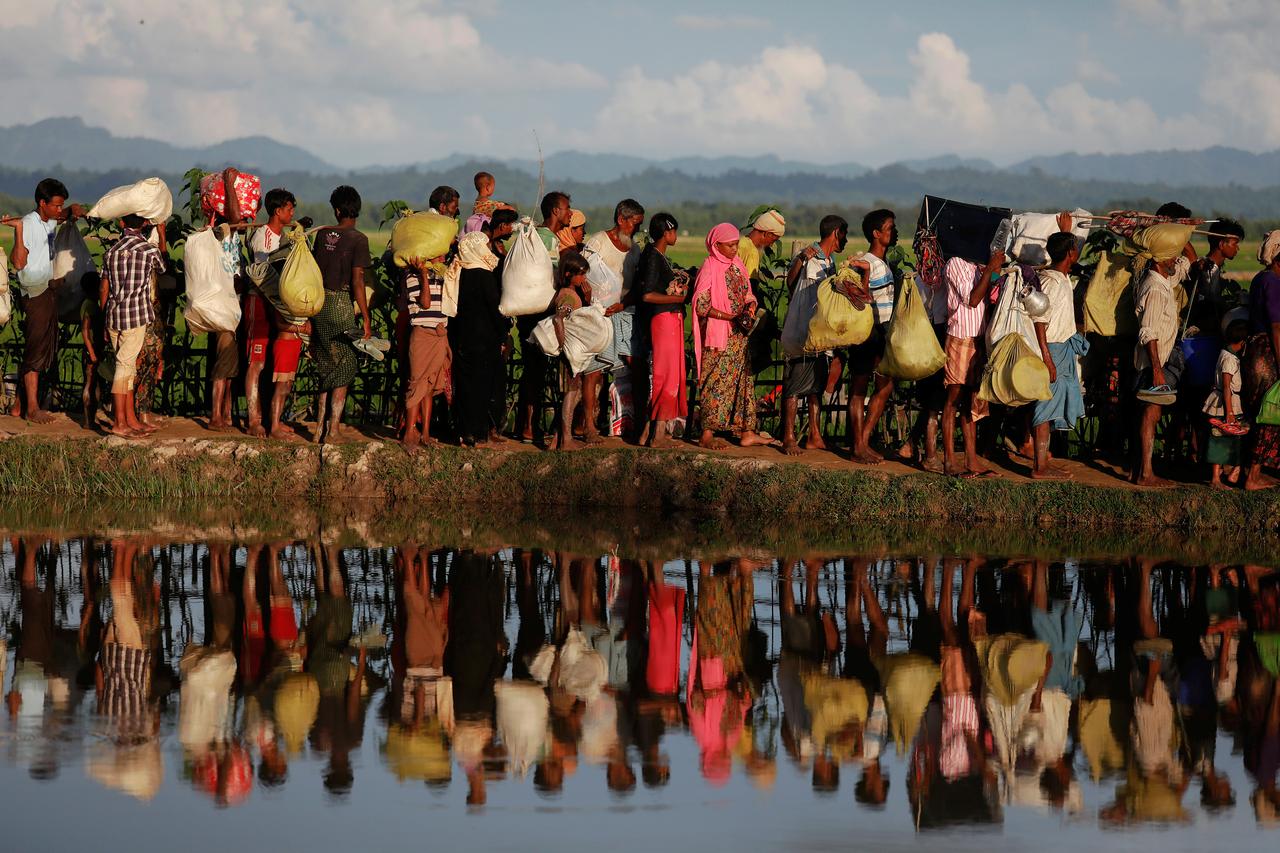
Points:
(966, 688)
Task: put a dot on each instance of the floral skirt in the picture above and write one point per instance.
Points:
(1259, 375)
(726, 391)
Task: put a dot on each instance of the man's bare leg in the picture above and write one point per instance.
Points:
(337, 402)
(280, 392)
(571, 397)
(1146, 440)
(813, 441)
(322, 409)
(790, 445)
(253, 399)
(31, 385)
(863, 452)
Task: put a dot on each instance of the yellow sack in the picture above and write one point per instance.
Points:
(422, 236)
(909, 680)
(1015, 374)
(301, 282)
(911, 348)
(835, 322)
(1011, 665)
(1108, 300)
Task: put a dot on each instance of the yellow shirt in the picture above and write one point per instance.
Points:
(750, 256)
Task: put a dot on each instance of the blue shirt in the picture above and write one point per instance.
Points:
(37, 236)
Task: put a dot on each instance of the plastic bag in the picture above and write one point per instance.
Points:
(1014, 375)
(301, 282)
(1269, 412)
(213, 195)
(911, 349)
(587, 333)
(149, 198)
(836, 322)
(606, 285)
(212, 304)
(521, 711)
(421, 236)
(1009, 316)
(528, 285)
(1031, 233)
(71, 262)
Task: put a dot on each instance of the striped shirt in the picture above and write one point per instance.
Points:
(431, 317)
(963, 320)
(129, 265)
(881, 283)
(126, 683)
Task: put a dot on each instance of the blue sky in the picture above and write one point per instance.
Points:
(399, 81)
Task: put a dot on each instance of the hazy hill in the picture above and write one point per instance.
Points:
(1217, 166)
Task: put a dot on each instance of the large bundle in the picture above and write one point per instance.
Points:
(421, 237)
(1008, 316)
(149, 198)
(213, 195)
(1108, 301)
(528, 283)
(911, 349)
(1031, 233)
(836, 322)
(212, 304)
(72, 261)
(521, 714)
(587, 333)
(1014, 374)
(962, 230)
(301, 282)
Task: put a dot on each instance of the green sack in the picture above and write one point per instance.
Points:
(835, 322)
(422, 236)
(301, 282)
(1269, 414)
(911, 349)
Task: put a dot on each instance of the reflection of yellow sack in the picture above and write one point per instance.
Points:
(1014, 374)
(1108, 301)
(297, 702)
(301, 282)
(911, 348)
(909, 680)
(1099, 728)
(1011, 665)
(421, 236)
(835, 322)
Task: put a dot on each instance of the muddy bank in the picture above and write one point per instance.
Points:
(378, 493)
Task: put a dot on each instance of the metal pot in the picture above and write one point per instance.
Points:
(1035, 303)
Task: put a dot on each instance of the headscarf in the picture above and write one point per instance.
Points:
(1269, 249)
(712, 279)
(770, 222)
(474, 252)
(567, 241)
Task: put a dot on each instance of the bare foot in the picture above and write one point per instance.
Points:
(1051, 472)
(257, 430)
(123, 432)
(317, 432)
(412, 438)
(593, 437)
(1215, 483)
(1154, 482)
(219, 426)
(906, 452)
(569, 444)
(40, 416)
(932, 463)
(495, 437)
(660, 441)
(814, 442)
(285, 432)
(791, 448)
(713, 443)
(752, 439)
(1262, 481)
(867, 456)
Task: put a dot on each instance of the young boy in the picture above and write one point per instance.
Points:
(430, 359)
(93, 334)
(260, 315)
(485, 204)
(804, 375)
(33, 259)
(1223, 407)
(126, 298)
(881, 230)
(573, 293)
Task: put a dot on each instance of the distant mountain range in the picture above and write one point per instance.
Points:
(1213, 181)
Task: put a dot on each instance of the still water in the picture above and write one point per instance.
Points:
(254, 695)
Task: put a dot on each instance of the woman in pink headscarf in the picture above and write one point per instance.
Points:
(725, 311)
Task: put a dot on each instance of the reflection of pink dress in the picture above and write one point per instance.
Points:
(716, 720)
(666, 621)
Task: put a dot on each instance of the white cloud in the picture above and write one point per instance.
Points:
(792, 99)
(721, 22)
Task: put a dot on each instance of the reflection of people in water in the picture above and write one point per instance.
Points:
(666, 627)
(1258, 689)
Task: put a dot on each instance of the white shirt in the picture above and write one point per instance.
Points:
(263, 242)
(623, 263)
(1157, 312)
(37, 236)
(1061, 317)
(803, 303)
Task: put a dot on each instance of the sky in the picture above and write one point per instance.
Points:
(395, 81)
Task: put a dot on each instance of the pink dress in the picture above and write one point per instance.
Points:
(666, 621)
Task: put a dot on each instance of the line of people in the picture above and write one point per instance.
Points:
(453, 340)
(979, 675)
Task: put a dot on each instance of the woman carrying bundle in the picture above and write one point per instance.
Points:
(725, 309)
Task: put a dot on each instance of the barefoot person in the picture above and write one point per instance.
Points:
(573, 293)
(967, 286)
(430, 360)
(804, 377)
(1262, 362)
(663, 294)
(1060, 346)
(881, 230)
(342, 253)
(128, 268)
(724, 314)
(258, 316)
(1154, 357)
(33, 259)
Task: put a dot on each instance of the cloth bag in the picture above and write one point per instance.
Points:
(71, 261)
(587, 333)
(421, 237)
(149, 198)
(213, 195)
(528, 285)
(911, 348)
(1031, 233)
(212, 305)
(6, 296)
(1014, 375)
(836, 322)
(1108, 301)
(301, 282)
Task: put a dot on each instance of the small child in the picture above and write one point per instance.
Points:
(93, 333)
(573, 293)
(485, 205)
(1223, 408)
